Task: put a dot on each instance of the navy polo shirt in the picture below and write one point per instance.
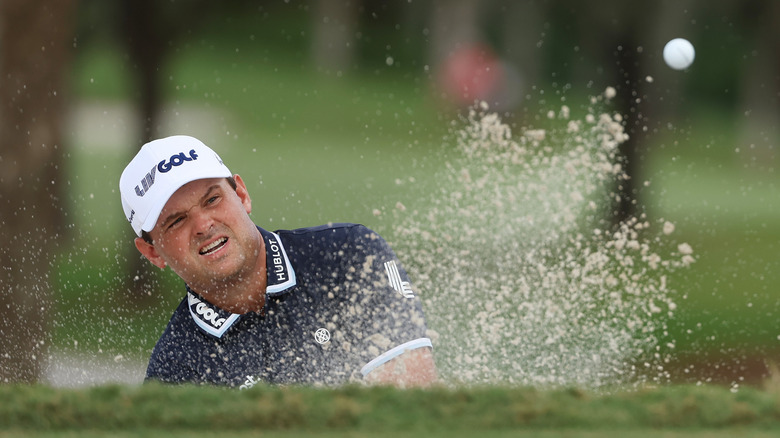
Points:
(338, 304)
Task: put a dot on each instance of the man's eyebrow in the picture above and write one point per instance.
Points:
(208, 192)
(176, 214)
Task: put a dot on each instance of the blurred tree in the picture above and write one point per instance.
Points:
(335, 23)
(615, 37)
(523, 26)
(35, 49)
(454, 25)
(660, 98)
(759, 106)
(145, 34)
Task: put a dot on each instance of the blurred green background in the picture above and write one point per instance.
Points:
(322, 105)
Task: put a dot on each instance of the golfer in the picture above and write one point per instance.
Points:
(323, 306)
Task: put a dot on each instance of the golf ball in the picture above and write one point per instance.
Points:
(679, 53)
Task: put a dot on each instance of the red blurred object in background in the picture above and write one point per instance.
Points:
(473, 73)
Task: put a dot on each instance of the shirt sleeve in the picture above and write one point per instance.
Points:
(389, 317)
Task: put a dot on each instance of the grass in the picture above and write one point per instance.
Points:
(522, 433)
(295, 411)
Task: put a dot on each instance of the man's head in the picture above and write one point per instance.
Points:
(159, 169)
(192, 215)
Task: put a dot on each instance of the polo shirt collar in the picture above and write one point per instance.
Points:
(281, 278)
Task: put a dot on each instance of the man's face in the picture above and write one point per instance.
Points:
(205, 235)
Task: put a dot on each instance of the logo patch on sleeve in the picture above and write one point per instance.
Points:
(211, 319)
(394, 277)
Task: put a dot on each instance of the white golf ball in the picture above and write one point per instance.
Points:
(679, 53)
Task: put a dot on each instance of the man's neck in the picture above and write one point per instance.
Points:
(246, 293)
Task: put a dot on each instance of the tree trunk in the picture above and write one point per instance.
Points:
(759, 106)
(142, 23)
(335, 25)
(628, 82)
(454, 25)
(613, 35)
(35, 43)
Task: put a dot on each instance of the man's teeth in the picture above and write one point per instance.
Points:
(214, 246)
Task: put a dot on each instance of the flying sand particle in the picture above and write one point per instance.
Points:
(519, 274)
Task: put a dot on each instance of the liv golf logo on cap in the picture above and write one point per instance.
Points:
(163, 167)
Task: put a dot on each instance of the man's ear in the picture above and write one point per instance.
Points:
(150, 252)
(243, 193)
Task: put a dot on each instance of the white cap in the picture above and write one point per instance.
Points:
(159, 169)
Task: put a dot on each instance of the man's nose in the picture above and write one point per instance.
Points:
(202, 221)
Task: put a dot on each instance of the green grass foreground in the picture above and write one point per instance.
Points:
(361, 411)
